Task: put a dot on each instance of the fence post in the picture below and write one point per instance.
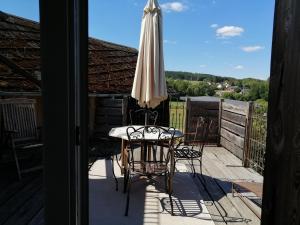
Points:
(220, 120)
(248, 127)
(124, 110)
(187, 110)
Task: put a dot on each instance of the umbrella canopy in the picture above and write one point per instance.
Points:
(149, 86)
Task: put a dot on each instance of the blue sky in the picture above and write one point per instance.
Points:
(221, 37)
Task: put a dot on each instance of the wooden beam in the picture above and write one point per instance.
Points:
(19, 70)
(220, 121)
(281, 199)
(248, 133)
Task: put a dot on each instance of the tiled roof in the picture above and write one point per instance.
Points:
(111, 66)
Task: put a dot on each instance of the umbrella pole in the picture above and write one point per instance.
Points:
(146, 115)
(146, 123)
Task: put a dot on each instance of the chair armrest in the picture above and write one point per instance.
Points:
(39, 133)
(10, 131)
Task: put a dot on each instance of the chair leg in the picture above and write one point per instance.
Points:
(113, 172)
(125, 181)
(171, 203)
(170, 193)
(17, 163)
(200, 166)
(193, 167)
(128, 194)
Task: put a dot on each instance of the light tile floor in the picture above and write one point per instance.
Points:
(149, 205)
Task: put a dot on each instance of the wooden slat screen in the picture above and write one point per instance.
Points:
(233, 123)
(108, 114)
(163, 118)
(194, 109)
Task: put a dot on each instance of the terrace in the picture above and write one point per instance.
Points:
(206, 199)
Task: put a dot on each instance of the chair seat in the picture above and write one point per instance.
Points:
(186, 153)
(32, 145)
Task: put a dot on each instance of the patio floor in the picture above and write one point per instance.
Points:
(203, 200)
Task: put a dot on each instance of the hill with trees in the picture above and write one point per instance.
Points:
(198, 84)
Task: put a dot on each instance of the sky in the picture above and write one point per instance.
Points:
(220, 37)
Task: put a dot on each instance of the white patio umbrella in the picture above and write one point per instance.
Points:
(149, 86)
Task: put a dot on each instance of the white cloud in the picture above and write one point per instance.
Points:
(214, 25)
(229, 31)
(252, 48)
(239, 67)
(173, 7)
(203, 66)
(170, 42)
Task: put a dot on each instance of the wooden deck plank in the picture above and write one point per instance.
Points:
(209, 203)
(214, 211)
(230, 213)
(11, 188)
(16, 202)
(219, 168)
(215, 167)
(215, 214)
(235, 164)
(28, 210)
(232, 173)
(244, 210)
(39, 218)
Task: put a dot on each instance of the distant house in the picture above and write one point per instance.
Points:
(232, 88)
(219, 86)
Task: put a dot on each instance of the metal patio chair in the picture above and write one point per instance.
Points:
(149, 166)
(143, 117)
(191, 148)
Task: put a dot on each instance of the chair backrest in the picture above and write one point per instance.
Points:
(135, 134)
(202, 132)
(164, 144)
(19, 117)
(143, 117)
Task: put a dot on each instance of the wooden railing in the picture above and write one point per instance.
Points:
(238, 126)
(257, 139)
(233, 126)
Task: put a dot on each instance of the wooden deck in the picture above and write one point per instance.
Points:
(220, 169)
(21, 203)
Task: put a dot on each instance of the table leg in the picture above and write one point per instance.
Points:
(124, 155)
(172, 171)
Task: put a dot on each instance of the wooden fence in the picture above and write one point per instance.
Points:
(234, 127)
(210, 109)
(108, 112)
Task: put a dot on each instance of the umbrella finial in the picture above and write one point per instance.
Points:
(152, 6)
